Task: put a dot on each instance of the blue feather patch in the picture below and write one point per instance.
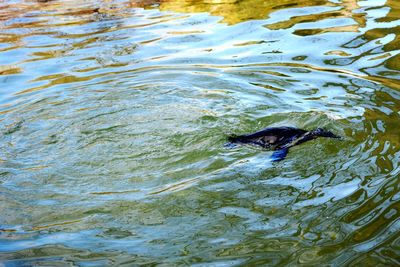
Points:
(280, 154)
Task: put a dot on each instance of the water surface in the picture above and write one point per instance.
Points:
(114, 115)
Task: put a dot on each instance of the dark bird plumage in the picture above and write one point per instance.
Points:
(280, 139)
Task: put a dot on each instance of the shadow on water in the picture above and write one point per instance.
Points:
(114, 115)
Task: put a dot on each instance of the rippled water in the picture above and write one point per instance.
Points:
(114, 115)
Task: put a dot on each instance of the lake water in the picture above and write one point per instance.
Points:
(114, 116)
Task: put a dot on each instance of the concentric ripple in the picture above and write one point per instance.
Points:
(114, 116)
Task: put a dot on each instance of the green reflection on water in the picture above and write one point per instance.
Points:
(113, 123)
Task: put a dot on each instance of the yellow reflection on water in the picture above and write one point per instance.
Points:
(234, 11)
(9, 69)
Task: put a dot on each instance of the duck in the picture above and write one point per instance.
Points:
(280, 139)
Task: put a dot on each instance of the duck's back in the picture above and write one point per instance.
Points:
(283, 131)
(269, 137)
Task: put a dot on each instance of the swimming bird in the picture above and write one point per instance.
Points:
(280, 139)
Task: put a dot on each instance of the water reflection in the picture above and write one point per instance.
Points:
(234, 11)
(113, 120)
